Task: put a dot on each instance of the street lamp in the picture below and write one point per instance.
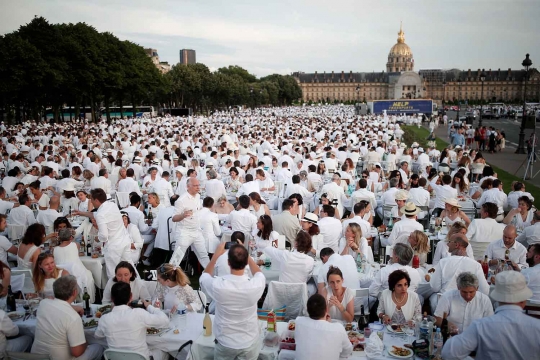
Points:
(459, 97)
(358, 93)
(443, 96)
(482, 79)
(521, 144)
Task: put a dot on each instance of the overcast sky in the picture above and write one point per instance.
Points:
(280, 36)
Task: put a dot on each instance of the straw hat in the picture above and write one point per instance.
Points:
(409, 209)
(510, 287)
(402, 195)
(452, 201)
(310, 217)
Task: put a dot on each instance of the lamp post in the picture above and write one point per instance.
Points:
(443, 97)
(459, 97)
(482, 79)
(358, 93)
(521, 144)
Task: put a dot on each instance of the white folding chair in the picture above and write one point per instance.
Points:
(111, 354)
(359, 296)
(122, 199)
(281, 242)
(21, 280)
(204, 300)
(16, 231)
(292, 295)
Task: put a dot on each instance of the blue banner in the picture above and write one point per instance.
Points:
(395, 107)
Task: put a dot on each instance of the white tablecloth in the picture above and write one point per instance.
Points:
(99, 272)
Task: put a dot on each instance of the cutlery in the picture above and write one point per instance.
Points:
(166, 331)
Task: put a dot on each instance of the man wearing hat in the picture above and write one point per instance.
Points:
(509, 334)
(407, 225)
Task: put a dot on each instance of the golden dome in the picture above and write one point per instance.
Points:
(400, 49)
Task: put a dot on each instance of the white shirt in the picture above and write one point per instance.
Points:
(164, 190)
(125, 328)
(5, 206)
(532, 276)
(365, 194)
(442, 251)
(320, 339)
(236, 325)
(330, 228)
(21, 215)
(247, 188)
(5, 245)
(448, 269)
(481, 232)
(529, 236)
(460, 312)
(110, 224)
(495, 196)
(47, 217)
(101, 182)
(419, 196)
(58, 329)
(509, 334)
(380, 281)
(215, 189)
(389, 196)
(210, 229)
(136, 217)
(513, 197)
(346, 264)
(364, 225)
(518, 252)
(129, 185)
(188, 202)
(404, 226)
(244, 221)
(442, 192)
(7, 329)
(294, 267)
(138, 290)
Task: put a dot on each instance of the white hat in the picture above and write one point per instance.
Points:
(69, 186)
(182, 170)
(377, 164)
(420, 149)
(402, 195)
(510, 287)
(409, 209)
(452, 201)
(310, 217)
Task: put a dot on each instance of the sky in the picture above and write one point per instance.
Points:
(278, 36)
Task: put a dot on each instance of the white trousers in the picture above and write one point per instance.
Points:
(114, 254)
(184, 240)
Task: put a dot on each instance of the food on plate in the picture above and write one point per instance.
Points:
(105, 309)
(400, 351)
(98, 314)
(355, 337)
(152, 331)
(348, 327)
(432, 270)
(90, 324)
(292, 326)
(15, 315)
(396, 328)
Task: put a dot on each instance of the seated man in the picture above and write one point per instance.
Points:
(509, 334)
(59, 329)
(463, 305)
(316, 337)
(124, 327)
(405, 226)
(242, 219)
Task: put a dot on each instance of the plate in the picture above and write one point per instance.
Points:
(15, 315)
(399, 331)
(354, 338)
(90, 324)
(410, 353)
(154, 331)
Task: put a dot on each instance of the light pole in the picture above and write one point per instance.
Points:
(482, 79)
(459, 97)
(443, 96)
(358, 93)
(521, 144)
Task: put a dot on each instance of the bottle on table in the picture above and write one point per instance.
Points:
(415, 261)
(11, 304)
(86, 299)
(437, 344)
(150, 216)
(82, 248)
(485, 266)
(390, 223)
(271, 321)
(88, 247)
(181, 311)
(359, 263)
(207, 322)
(362, 320)
(424, 329)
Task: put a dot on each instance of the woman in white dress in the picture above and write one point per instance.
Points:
(354, 243)
(68, 200)
(125, 272)
(155, 206)
(265, 236)
(257, 206)
(398, 305)
(84, 203)
(522, 216)
(173, 289)
(452, 213)
(29, 249)
(137, 241)
(340, 299)
(66, 255)
(45, 274)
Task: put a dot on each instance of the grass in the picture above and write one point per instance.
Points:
(419, 135)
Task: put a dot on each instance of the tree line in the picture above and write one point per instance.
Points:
(49, 66)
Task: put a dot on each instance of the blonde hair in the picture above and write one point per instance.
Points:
(422, 246)
(87, 174)
(39, 274)
(156, 196)
(357, 231)
(174, 274)
(455, 228)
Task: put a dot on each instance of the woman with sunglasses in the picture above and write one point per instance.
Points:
(173, 289)
(266, 236)
(45, 274)
(126, 273)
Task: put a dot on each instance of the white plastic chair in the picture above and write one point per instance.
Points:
(203, 299)
(16, 231)
(111, 354)
(122, 199)
(150, 286)
(281, 242)
(292, 295)
(21, 280)
(360, 294)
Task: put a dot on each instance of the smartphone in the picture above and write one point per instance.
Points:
(229, 244)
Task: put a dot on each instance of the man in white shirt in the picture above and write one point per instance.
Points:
(447, 270)
(463, 305)
(483, 231)
(102, 182)
(330, 227)
(335, 192)
(513, 196)
(404, 171)
(532, 273)
(362, 193)
(48, 216)
(214, 187)
(129, 185)
(345, 263)
(22, 215)
(5, 245)
(188, 229)
(490, 337)
(242, 220)
(497, 196)
(419, 195)
(316, 337)
(401, 258)
(236, 327)
(124, 327)
(248, 187)
(531, 234)
(496, 250)
(442, 192)
(389, 196)
(59, 329)
(5, 205)
(163, 188)
(284, 174)
(406, 225)
(9, 329)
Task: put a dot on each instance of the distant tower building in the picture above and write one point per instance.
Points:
(400, 57)
(187, 56)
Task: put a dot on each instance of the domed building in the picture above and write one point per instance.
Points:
(400, 81)
(400, 57)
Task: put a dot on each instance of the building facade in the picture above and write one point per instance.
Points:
(162, 66)
(400, 81)
(187, 56)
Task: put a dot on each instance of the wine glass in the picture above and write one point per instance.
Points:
(26, 307)
(408, 329)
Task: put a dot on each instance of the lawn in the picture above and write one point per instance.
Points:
(413, 133)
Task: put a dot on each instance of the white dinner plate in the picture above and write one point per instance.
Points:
(398, 356)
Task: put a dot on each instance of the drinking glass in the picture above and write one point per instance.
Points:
(409, 331)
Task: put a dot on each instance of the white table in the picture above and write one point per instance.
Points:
(97, 268)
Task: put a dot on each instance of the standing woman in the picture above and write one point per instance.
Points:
(477, 137)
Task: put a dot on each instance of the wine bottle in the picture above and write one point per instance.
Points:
(88, 248)
(207, 322)
(150, 215)
(11, 305)
(82, 248)
(86, 299)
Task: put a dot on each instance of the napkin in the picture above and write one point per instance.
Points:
(374, 346)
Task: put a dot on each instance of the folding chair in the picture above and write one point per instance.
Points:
(293, 295)
(111, 354)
